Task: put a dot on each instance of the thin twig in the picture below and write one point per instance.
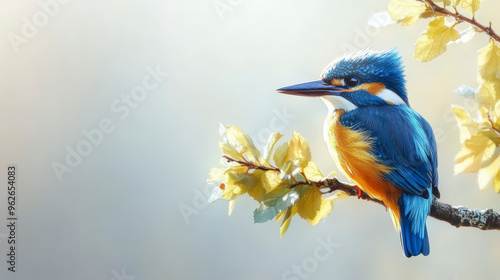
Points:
(459, 17)
(252, 165)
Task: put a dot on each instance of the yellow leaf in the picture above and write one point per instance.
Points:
(295, 153)
(327, 206)
(280, 215)
(474, 153)
(289, 169)
(454, 3)
(258, 188)
(484, 123)
(489, 93)
(271, 180)
(406, 12)
(428, 14)
(497, 109)
(236, 182)
(312, 172)
(265, 182)
(433, 42)
(337, 195)
(496, 116)
(280, 155)
(496, 183)
(242, 143)
(216, 175)
(486, 175)
(460, 113)
(230, 151)
(239, 181)
(325, 209)
(299, 150)
(436, 27)
(493, 135)
(466, 125)
(231, 206)
(273, 138)
(330, 175)
(470, 5)
(489, 61)
(310, 204)
(288, 218)
(257, 193)
(446, 2)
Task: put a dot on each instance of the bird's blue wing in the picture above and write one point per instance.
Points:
(403, 141)
(432, 155)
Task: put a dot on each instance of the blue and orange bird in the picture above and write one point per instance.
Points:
(380, 143)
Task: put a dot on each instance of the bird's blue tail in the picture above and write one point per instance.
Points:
(414, 238)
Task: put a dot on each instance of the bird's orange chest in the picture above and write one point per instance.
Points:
(352, 151)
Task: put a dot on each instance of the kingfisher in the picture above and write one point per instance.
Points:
(385, 147)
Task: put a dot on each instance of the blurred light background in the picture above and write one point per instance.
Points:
(119, 213)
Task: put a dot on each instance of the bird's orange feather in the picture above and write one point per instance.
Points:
(352, 151)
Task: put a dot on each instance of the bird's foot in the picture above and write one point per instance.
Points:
(359, 192)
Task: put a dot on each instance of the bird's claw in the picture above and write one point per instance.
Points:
(359, 192)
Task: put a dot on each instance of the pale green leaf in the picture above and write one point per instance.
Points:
(277, 201)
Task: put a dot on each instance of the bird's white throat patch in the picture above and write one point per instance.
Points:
(338, 103)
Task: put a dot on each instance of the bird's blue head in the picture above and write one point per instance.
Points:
(365, 78)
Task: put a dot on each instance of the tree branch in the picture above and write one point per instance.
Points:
(459, 17)
(457, 216)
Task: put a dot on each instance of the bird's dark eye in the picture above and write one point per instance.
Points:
(351, 81)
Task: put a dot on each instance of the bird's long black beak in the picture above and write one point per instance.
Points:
(316, 88)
